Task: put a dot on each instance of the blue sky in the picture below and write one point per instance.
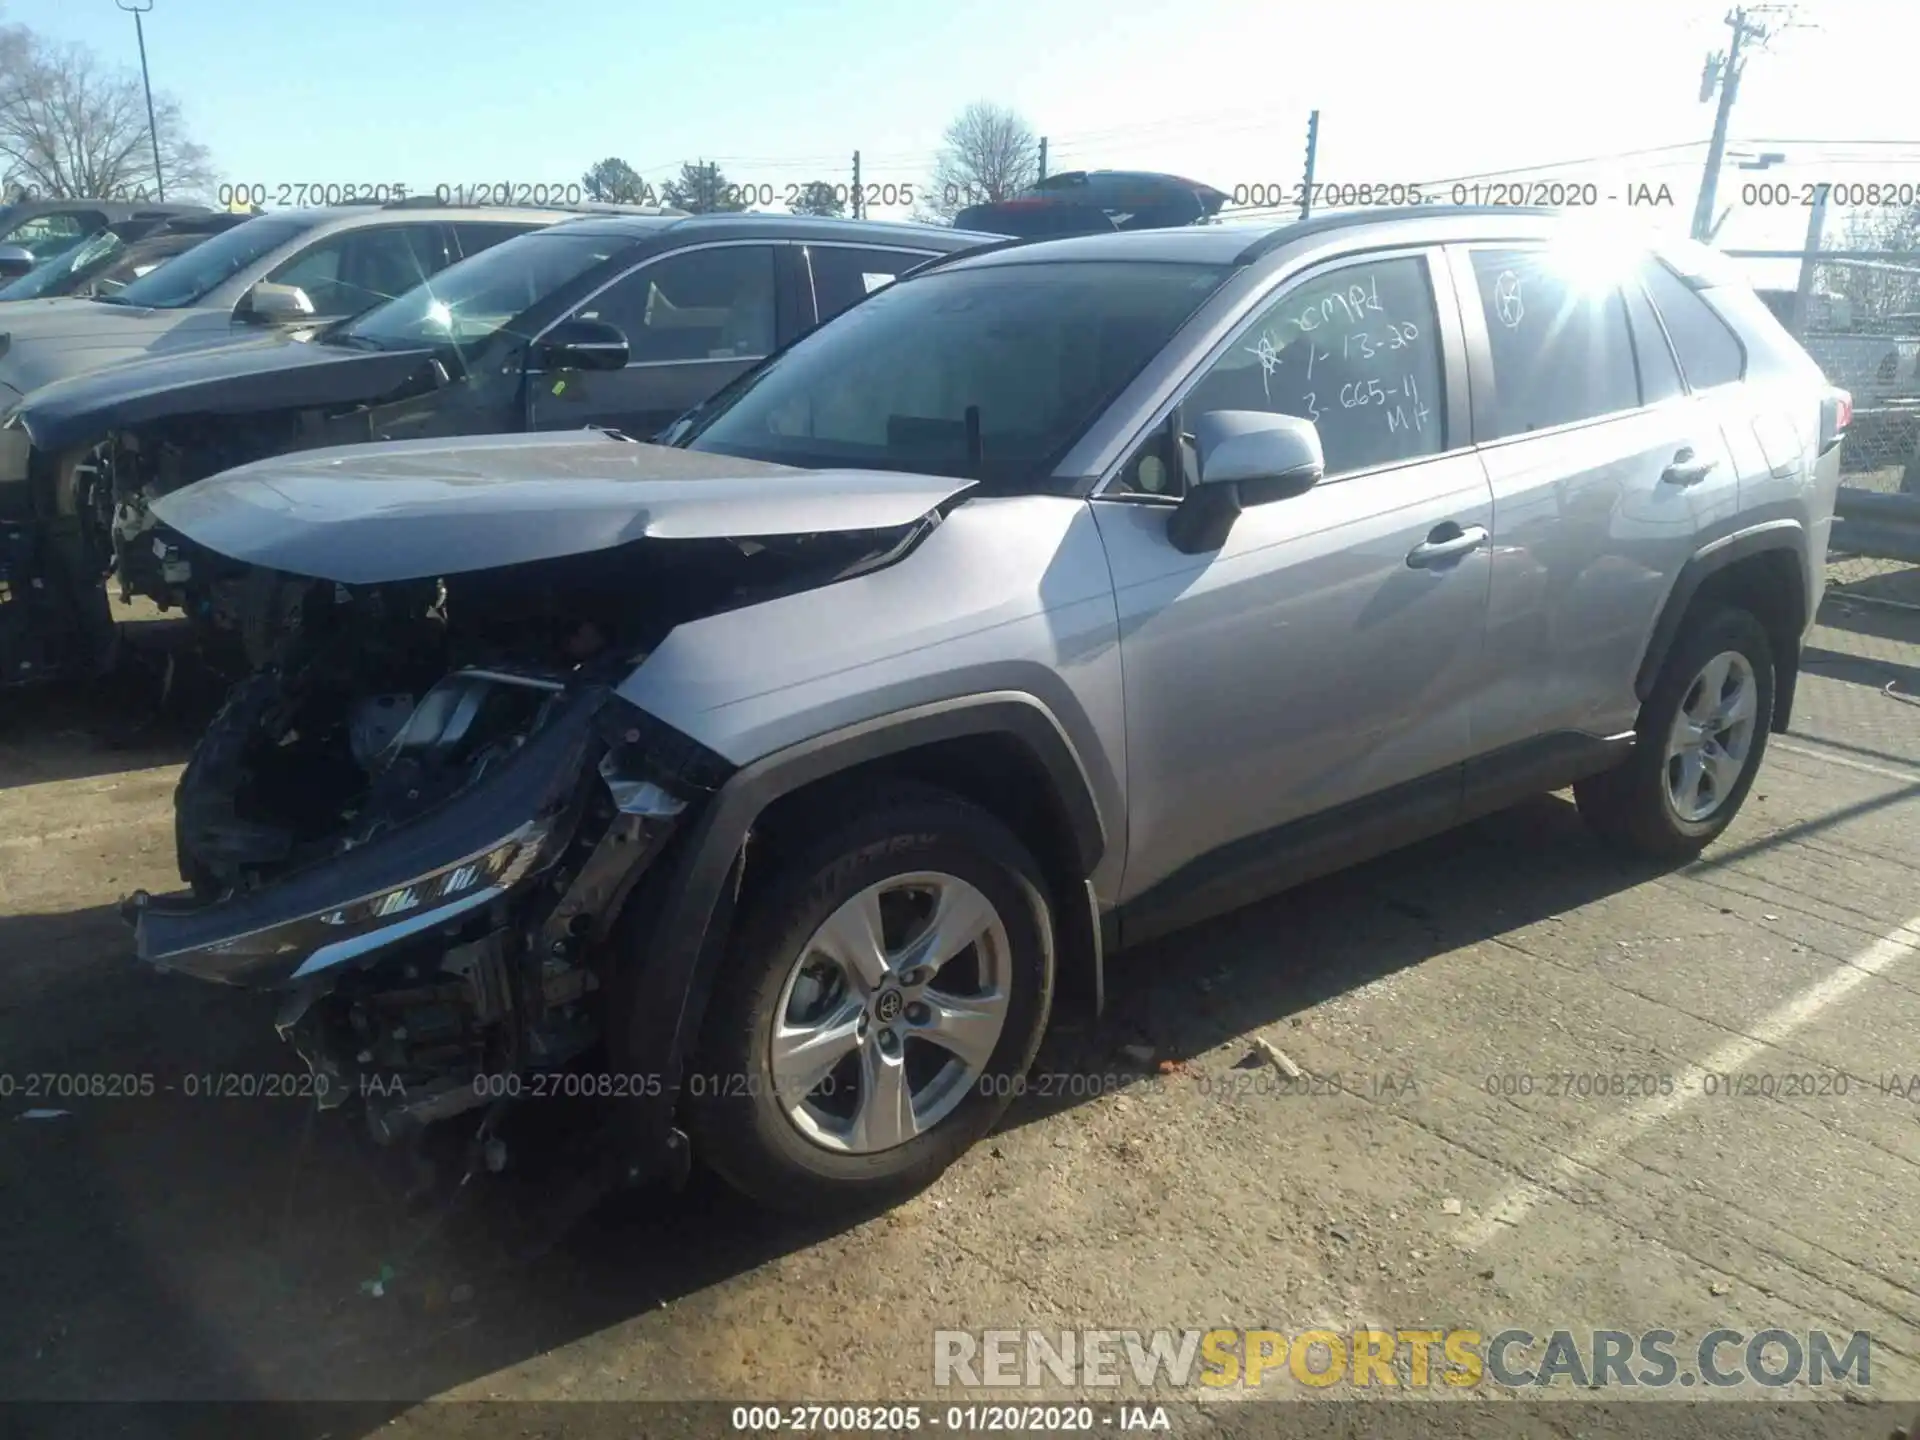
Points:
(428, 91)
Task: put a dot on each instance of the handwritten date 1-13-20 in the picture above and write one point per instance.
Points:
(1369, 334)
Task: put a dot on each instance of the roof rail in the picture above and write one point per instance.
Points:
(992, 247)
(609, 207)
(590, 207)
(1287, 231)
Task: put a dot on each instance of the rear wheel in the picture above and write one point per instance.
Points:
(885, 993)
(1698, 744)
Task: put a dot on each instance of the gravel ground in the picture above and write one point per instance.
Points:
(1442, 1162)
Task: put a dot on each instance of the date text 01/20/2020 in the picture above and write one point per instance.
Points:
(1366, 194)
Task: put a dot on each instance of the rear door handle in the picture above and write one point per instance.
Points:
(1446, 543)
(1685, 470)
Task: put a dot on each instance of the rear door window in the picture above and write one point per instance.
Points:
(1709, 351)
(1558, 339)
(844, 275)
(477, 235)
(1659, 375)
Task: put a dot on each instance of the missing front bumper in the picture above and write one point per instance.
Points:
(432, 872)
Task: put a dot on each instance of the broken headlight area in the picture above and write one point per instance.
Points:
(427, 867)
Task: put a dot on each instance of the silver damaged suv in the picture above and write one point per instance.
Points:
(769, 785)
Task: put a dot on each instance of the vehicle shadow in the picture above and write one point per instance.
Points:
(1855, 610)
(134, 718)
(1874, 671)
(1263, 965)
(180, 1245)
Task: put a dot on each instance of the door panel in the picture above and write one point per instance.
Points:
(1304, 665)
(1598, 497)
(693, 320)
(1588, 540)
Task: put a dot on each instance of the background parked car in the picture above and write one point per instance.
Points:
(32, 230)
(299, 268)
(1080, 202)
(619, 321)
(108, 261)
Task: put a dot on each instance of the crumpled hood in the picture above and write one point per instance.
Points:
(414, 509)
(238, 378)
(44, 340)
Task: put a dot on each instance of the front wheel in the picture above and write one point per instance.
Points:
(882, 1000)
(1698, 744)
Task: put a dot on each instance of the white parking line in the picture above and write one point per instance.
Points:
(1912, 777)
(1609, 1139)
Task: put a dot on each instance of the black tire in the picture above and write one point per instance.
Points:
(736, 1124)
(1629, 805)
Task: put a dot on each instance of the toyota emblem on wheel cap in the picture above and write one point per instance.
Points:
(888, 1006)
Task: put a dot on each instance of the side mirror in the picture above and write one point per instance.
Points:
(272, 304)
(1246, 457)
(15, 261)
(581, 345)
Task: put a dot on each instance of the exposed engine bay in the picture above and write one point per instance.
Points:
(421, 819)
(115, 485)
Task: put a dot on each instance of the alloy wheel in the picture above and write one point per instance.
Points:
(891, 1013)
(1711, 739)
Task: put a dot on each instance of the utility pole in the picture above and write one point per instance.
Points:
(1725, 69)
(856, 187)
(1043, 157)
(1313, 146)
(153, 130)
(1803, 292)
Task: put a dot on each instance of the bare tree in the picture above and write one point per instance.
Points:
(822, 197)
(70, 127)
(989, 153)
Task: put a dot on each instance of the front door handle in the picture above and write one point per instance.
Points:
(1685, 470)
(1446, 542)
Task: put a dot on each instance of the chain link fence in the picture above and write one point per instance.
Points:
(1858, 315)
(1859, 318)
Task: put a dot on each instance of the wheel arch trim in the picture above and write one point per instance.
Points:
(684, 945)
(1786, 536)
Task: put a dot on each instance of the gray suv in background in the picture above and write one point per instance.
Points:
(773, 780)
(297, 268)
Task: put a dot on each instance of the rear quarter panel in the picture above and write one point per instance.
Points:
(1772, 424)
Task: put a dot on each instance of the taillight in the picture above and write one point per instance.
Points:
(1836, 414)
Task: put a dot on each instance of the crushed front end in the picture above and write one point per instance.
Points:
(54, 618)
(420, 834)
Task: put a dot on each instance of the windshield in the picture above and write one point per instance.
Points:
(990, 373)
(208, 265)
(46, 277)
(469, 303)
(114, 273)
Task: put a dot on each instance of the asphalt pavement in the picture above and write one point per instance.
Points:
(1507, 1082)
